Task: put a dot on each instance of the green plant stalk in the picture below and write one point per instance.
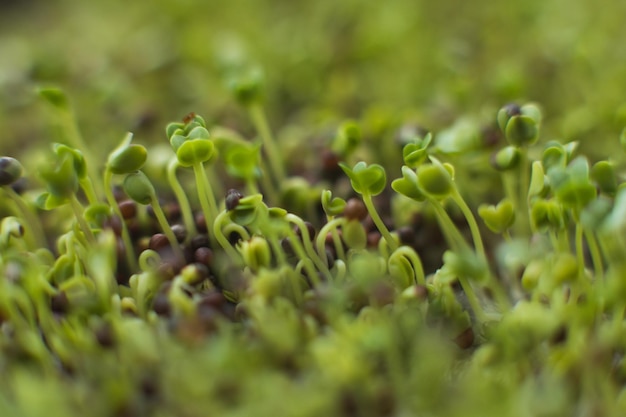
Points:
(183, 201)
(221, 239)
(308, 246)
(87, 186)
(596, 256)
(165, 226)
(451, 232)
(416, 263)
(523, 224)
(77, 208)
(266, 183)
(36, 238)
(471, 221)
(472, 299)
(260, 122)
(580, 257)
(320, 242)
(205, 194)
(380, 225)
(309, 264)
(129, 250)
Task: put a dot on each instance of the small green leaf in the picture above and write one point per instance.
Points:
(435, 179)
(408, 185)
(354, 235)
(506, 158)
(139, 188)
(60, 176)
(366, 179)
(332, 206)
(603, 173)
(498, 218)
(55, 96)
(193, 151)
(128, 159)
(522, 131)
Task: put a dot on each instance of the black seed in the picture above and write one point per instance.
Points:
(200, 241)
(203, 256)
(355, 209)
(180, 232)
(232, 199)
(158, 241)
(105, 336)
(161, 305)
(128, 208)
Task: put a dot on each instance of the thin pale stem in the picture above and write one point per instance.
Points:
(183, 201)
(260, 122)
(77, 208)
(380, 225)
(165, 226)
(129, 250)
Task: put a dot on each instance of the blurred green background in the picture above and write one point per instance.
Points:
(138, 65)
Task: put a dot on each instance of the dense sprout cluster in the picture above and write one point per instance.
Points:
(434, 273)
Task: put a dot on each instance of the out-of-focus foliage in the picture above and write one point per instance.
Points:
(131, 65)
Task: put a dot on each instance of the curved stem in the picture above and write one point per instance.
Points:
(416, 262)
(471, 221)
(380, 225)
(183, 201)
(221, 239)
(129, 250)
(167, 230)
(596, 256)
(38, 239)
(260, 122)
(308, 246)
(77, 208)
(320, 241)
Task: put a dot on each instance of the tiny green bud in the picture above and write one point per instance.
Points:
(60, 177)
(354, 235)
(435, 179)
(139, 188)
(603, 173)
(506, 158)
(498, 218)
(522, 130)
(564, 268)
(408, 185)
(247, 85)
(332, 206)
(532, 273)
(128, 159)
(366, 179)
(256, 253)
(10, 170)
(506, 113)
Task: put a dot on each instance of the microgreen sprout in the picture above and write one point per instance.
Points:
(369, 181)
(139, 188)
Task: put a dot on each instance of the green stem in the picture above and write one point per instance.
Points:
(77, 208)
(596, 256)
(369, 204)
(451, 232)
(205, 194)
(183, 201)
(260, 122)
(308, 246)
(129, 250)
(87, 186)
(320, 241)
(579, 248)
(471, 220)
(306, 261)
(165, 226)
(221, 239)
(416, 262)
(472, 299)
(524, 183)
(36, 238)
